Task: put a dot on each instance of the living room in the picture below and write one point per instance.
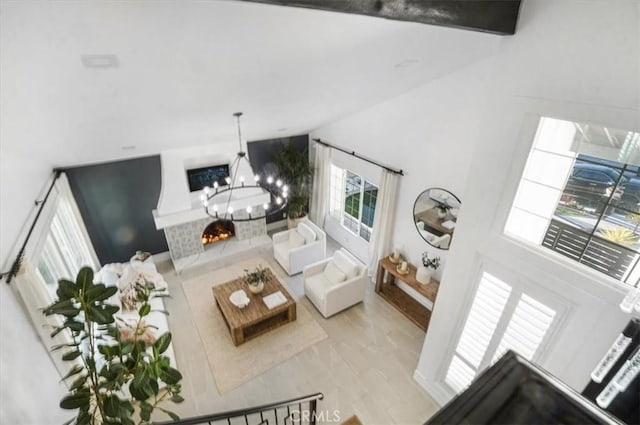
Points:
(452, 109)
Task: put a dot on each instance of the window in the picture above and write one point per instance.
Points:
(580, 197)
(523, 329)
(65, 250)
(353, 201)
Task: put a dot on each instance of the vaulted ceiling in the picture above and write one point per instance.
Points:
(178, 70)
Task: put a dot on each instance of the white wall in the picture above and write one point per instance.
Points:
(30, 390)
(175, 195)
(471, 131)
(429, 133)
(570, 59)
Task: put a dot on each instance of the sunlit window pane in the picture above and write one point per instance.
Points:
(580, 196)
(353, 201)
(526, 226)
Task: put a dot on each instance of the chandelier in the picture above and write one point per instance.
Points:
(217, 200)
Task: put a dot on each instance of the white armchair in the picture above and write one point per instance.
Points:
(296, 248)
(437, 241)
(335, 283)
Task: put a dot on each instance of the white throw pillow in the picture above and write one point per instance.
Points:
(333, 274)
(307, 232)
(345, 264)
(295, 239)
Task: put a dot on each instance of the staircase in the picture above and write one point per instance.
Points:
(302, 410)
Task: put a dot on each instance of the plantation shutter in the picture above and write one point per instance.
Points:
(527, 327)
(524, 329)
(488, 304)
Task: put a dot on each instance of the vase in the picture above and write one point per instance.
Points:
(423, 274)
(257, 288)
(292, 223)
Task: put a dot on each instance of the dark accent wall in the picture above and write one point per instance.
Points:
(115, 200)
(262, 154)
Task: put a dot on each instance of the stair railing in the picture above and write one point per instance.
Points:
(301, 410)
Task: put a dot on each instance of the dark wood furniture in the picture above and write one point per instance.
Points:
(433, 223)
(255, 319)
(386, 287)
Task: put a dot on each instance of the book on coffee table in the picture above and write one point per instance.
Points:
(274, 300)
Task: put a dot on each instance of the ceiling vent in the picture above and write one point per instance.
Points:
(99, 61)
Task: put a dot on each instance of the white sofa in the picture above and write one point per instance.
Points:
(298, 247)
(335, 283)
(437, 241)
(120, 275)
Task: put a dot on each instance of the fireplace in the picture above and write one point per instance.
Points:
(217, 231)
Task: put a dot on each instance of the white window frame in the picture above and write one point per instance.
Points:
(64, 226)
(526, 138)
(519, 286)
(337, 201)
(33, 290)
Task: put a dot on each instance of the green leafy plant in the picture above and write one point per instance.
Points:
(259, 274)
(294, 168)
(106, 366)
(444, 208)
(430, 263)
(634, 217)
(621, 236)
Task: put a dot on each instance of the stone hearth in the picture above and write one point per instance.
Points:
(185, 239)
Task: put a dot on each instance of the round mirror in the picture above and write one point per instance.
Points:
(435, 213)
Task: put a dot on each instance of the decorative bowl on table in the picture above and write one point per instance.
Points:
(239, 298)
(401, 271)
(395, 260)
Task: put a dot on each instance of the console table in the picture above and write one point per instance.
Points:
(386, 287)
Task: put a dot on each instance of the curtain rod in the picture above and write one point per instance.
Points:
(353, 153)
(15, 267)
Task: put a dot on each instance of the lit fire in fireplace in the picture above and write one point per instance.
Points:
(215, 238)
(217, 231)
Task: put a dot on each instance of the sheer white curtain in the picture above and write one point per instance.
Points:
(382, 232)
(58, 247)
(321, 183)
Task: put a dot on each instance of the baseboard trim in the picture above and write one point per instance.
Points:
(276, 225)
(162, 256)
(437, 391)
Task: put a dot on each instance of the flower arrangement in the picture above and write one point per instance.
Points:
(258, 275)
(430, 263)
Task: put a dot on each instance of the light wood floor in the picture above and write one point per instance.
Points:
(365, 367)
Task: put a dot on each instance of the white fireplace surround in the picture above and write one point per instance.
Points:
(177, 205)
(182, 217)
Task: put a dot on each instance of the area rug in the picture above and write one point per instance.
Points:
(233, 366)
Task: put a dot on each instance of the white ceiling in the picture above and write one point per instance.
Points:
(186, 66)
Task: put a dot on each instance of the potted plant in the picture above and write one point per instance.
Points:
(294, 168)
(116, 373)
(256, 279)
(426, 269)
(443, 210)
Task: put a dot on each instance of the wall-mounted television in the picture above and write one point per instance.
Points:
(200, 177)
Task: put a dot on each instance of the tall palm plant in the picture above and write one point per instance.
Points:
(294, 168)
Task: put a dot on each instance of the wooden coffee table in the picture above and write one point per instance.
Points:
(255, 319)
